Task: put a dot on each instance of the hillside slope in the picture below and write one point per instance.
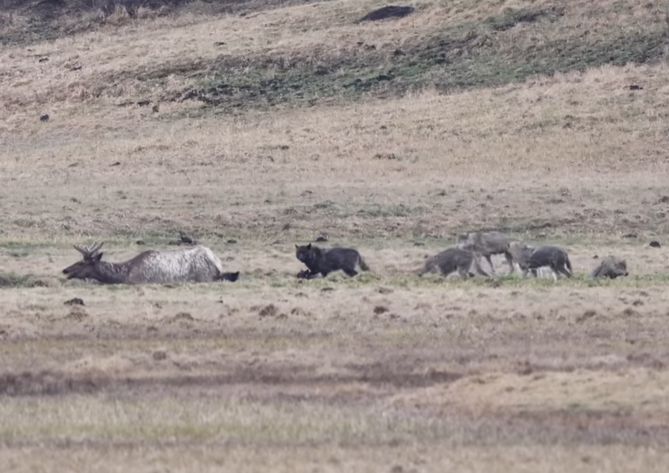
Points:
(243, 54)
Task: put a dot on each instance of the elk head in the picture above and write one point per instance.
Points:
(86, 268)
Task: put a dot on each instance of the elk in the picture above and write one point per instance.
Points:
(193, 264)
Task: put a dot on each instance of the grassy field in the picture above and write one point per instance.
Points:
(268, 124)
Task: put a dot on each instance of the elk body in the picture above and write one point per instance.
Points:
(192, 264)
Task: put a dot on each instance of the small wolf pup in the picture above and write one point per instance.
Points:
(610, 267)
(451, 260)
(326, 260)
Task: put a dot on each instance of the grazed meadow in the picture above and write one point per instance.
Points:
(279, 122)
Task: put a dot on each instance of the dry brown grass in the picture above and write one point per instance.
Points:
(382, 459)
(577, 152)
(385, 372)
(560, 376)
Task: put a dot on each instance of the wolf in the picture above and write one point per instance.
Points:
(451, 260)
(486, 244)
(520, 252)
(326, 260)
(610, 267)
(531, 259)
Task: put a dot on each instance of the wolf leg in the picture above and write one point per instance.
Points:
(463, 272)
(509, 260)
(492, 268)
(479, 269)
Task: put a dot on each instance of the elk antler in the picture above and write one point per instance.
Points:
(88, 251)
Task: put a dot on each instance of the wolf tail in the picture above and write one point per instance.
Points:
(228, 276)
(363, 264)
(595, 272)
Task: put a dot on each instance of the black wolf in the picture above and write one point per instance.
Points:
(326, 260)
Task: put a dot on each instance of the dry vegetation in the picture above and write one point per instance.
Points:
(384, 372)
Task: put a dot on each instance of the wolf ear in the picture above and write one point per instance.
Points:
(97, 257)
(297, 246)
(309, 246)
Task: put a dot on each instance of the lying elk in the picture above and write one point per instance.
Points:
(192, 264)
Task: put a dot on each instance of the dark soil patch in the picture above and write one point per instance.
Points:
(45, 383)
(295, 375)
(393, 375)
(75, 301)
(390, 11)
